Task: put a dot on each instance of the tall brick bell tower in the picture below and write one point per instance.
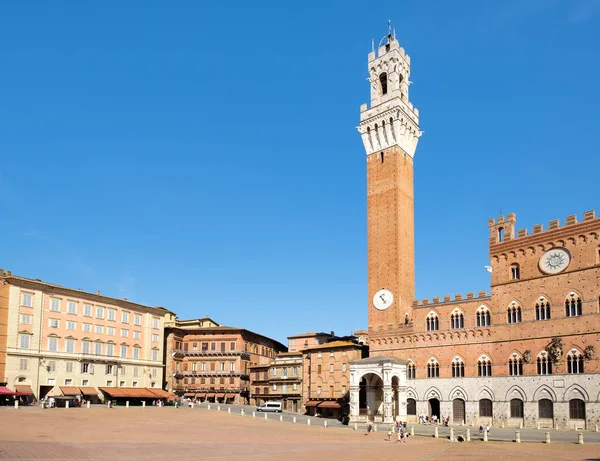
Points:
(390, 132)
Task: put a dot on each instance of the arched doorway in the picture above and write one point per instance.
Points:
(434, 408)
(396, 404)
(458, 411)
(371, 397)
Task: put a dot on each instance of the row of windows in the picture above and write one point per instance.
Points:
(202, 366)
(274, 387)
(88, 347)
(203, 380)
(204, 346)
(331, 368)
(52, 366)
(575, 364)
(89, 310)
(573, 308)
(87, 328)
(545, 408)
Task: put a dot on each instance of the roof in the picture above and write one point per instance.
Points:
(223, 329)
(184, 324)
(334, 345)
(96, 297)
(305, 335)
(288, 354)
(378, 360)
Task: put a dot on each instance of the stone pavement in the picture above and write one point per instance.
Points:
(128, 434)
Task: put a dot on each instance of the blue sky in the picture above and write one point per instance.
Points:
(204, 157)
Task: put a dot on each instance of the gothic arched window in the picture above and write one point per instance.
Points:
(483, 316)
(575, 362)
(514, 313)
(515, 365)
(458, 368)
(573, 306)
(457, 320)
(433, 323)
(542, 309)
(484, 366)
(411, 370)
(433, 368)
(544, 365)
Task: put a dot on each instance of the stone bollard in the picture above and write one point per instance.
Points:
(17, 404)
(192, 405)
(325, 423)
(266, 415)
(229, 410)
(355, 426)
(208, 407)
(435, 432)
(242, 412)
(66, 404)
(89, 405)
(547, 437)
(580, 438)
(485, 436)
(596, 428)
(502, 424)
(468, 436)
(374, 428)
(308, 421)
(521, 425)
(412, 430)
(451, 434)
(281, 418)
(127, 404)
(254, 414)
(294, 420)
(518, 436)
(218, 407)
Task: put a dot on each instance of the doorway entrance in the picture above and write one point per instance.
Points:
(458, 411)
(434, 408)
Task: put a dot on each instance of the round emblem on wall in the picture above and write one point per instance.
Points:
(555, 260)
(383, 299)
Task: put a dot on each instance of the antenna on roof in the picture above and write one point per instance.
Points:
(389, 27)
(372, 45)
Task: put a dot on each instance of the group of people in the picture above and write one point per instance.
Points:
(425, 419)
(400, 429)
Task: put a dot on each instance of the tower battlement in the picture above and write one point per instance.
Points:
(447, 299)
(502, 230)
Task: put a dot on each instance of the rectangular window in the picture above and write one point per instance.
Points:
(55, 305)
(274, 387)
(72, 326)
(213, 346)
(274, 371)
(319, 369)
(85, 347)
(87, 327)
(154, 338)
(27, 300)
(70, 345)
(135, 384)
(125, 317)
(51, 366)
(121, 383)
(112, 314)
(53, 323)
(203, 366)
(24, 341)
(344, 368)
(319, 354)
(155, 323)
(137, 320)
(231, 366)
(331, 368)
(53, 344)
(154, 355)
(68, 381)
(72, 307)
(110, 350)
(109, 382)
(85, 367)
(123, 352)
(295, 386)
(204, 347)
(87, 310)
(99, 312)
(154, 373)
(99, 329)
(85, 382)
(98, 348)
(26, 319)
(136, 353)
(51, 381)
(23, 364)
(110, 331)
(137, 335)
(232, 346)
(69, 367)
(136, 372)
(124, 333)
(222, 366)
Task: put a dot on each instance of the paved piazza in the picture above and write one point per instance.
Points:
(181, 434)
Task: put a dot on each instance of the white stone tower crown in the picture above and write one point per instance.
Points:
(392, 120)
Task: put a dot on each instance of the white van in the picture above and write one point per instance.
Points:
(270, 406)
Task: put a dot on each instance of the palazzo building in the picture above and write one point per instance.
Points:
(522, 354)
(66, 341)
(211, 362)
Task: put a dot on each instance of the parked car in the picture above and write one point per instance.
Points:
(270, 406)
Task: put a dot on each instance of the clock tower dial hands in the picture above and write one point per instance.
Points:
(383, 299)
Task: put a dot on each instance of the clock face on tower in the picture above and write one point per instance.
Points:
(554, 261)
(383, 299)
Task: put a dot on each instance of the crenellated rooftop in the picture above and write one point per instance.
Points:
(447, 299)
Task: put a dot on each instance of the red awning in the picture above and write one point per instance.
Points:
(312, 403)
(6, 391)
(70, 390)
(230, 396)
(220, 395)
(201, 395)
(24, 389)
(89, 391)
(329, 404)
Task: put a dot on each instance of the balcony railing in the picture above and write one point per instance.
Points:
(211, 374)
(180, 353)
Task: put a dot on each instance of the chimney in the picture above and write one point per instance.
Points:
(124, 299)
(333, 333)
(9, 273)
(98, 292)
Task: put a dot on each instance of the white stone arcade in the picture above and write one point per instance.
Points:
(378, 389)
